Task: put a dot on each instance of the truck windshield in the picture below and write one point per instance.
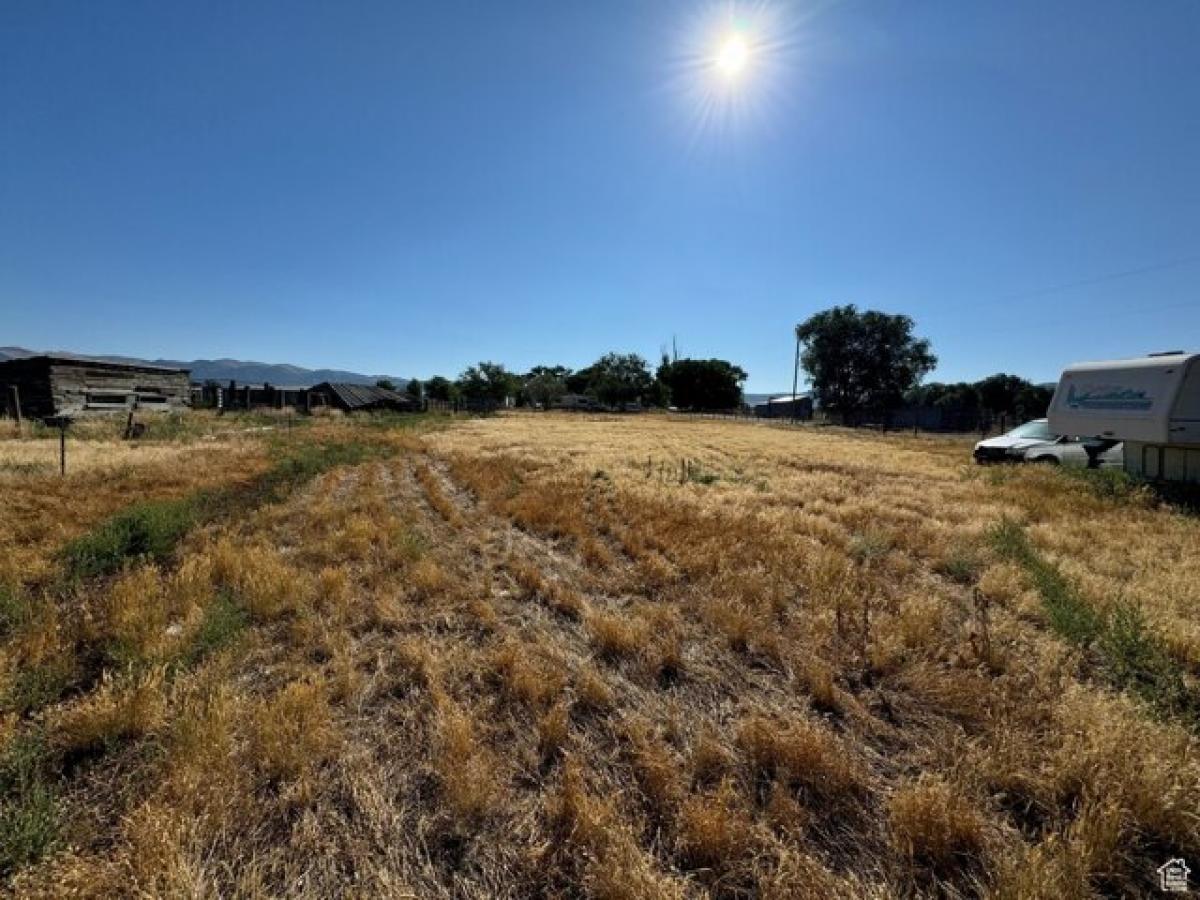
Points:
(1037, 430)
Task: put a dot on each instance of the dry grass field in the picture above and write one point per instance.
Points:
(554, 655)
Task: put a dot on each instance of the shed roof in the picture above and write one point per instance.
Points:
(788, 398)
(91, 361)
(361, 396)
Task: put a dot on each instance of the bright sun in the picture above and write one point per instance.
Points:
(733, 55)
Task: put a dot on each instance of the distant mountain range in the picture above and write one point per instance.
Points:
(280, 374)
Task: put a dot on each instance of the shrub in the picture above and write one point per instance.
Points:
(801, 754)
(934, 825)
(427, 579)
(465, 768)
(525, 676)
(817, 677)
(223, 621)
(119, 710)
(614, 635)
(593, 691)
(1114, 485)
(657, 772)
(145, 530)
(963, 565)
(28, 827)
(714, 832)
(293, 732)
(553, 729)
(29, 815)
(16, 609)
(740, 625)
(578, 817)
(34, 686)
(709, 760)
(135, 616)
(260, 578)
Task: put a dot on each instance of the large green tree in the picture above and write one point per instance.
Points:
(544, 388)
(488, 382)
(560, 372)
(439, 388)
(861, 362)
(580, 381)
(618, 379)
(703, 384)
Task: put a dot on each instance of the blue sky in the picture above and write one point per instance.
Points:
(409, 188)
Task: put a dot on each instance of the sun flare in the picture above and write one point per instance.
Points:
(733, 55)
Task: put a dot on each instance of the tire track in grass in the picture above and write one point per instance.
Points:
(1128, 654)
(31, 775)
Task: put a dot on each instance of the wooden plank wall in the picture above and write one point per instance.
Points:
(80, 389)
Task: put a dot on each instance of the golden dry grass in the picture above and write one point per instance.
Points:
(537, 655)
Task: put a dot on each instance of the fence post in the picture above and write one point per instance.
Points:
(14, 398)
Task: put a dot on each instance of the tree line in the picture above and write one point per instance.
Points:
(862, 367)
(615, 380)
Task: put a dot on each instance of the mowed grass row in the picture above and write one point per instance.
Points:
(516, 660)
(874, 570)
(63, 640)
(150, 530)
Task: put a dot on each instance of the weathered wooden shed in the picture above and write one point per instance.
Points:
(44, 386)
(363, 397)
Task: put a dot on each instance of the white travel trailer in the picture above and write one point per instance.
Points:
(1152, 403)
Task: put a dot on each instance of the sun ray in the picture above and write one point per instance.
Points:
(733, 67)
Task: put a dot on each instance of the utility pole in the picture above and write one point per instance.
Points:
(796, 376)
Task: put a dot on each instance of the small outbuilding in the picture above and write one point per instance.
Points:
(364, 397)
(787, 406)
(1151, 403)
(40, 387)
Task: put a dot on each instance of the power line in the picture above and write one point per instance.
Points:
(1141, 310)
(1101, 279)
(1070, 285)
